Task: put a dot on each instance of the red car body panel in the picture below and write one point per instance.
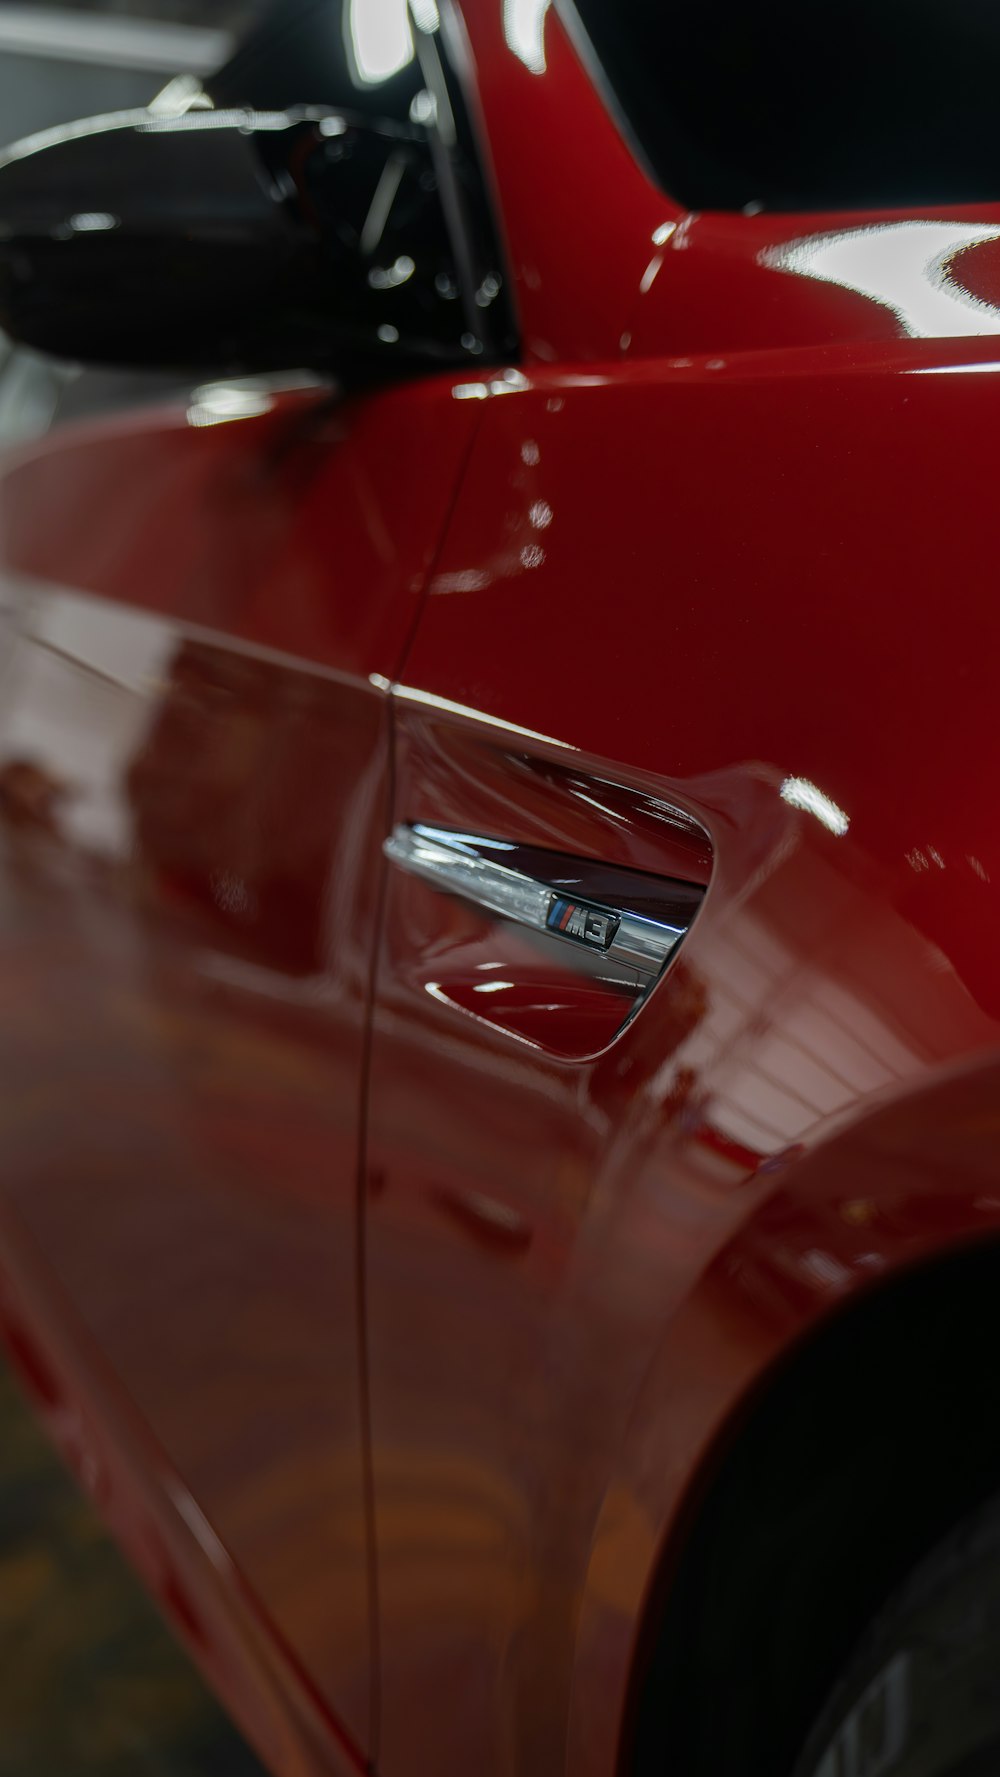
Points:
(704, 591)
(194, 802)
(676, 1200)
(559, 163)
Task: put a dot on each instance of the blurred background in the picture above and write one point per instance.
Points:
(77, 59)
(57, 63)
(90, 1679)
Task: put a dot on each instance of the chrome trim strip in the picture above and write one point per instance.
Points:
(144, 45)
(645, 944)
(450, 863)
(454, 862)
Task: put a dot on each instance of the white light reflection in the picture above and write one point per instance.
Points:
(903, 266)
(447, 836)
(147, 122)
(951, 369)
(93, 221)
(410, 694)
(524, 29)
(465, 580)
(508, 382)
(798, 792)
(71, 132)
(213, 404)
(389, 277)
(423, 108)
(379, 39)
(243, 120)
(218, 405)
(662, 234)
(197, 1523)
(184, 93)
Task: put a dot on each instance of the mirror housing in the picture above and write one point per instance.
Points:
(242, 241)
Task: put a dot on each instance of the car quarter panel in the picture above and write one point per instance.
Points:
(752, 596)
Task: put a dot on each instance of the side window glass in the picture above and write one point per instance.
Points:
(865, 104)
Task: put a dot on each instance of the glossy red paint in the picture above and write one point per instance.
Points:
(578, 210)
(708, 596)
(722, 283)
(754, 647)
(192, 797)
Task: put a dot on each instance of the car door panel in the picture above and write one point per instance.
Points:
(193, 780)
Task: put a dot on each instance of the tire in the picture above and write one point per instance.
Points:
(920, 1695)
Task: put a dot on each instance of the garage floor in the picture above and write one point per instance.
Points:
(91, 1680)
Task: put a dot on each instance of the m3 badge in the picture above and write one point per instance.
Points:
(593, 926)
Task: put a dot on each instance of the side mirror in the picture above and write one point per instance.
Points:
(242, 240)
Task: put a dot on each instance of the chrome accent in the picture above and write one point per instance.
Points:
(645, 944)
(450, 862)
(454, 862)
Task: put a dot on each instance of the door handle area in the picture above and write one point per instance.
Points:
(598, 936)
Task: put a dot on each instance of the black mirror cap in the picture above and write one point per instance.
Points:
(234, 241)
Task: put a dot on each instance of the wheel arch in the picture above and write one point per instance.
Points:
(850, 1457)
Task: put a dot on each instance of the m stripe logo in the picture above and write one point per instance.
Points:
(592, 926)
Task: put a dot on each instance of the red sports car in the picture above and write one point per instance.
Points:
(500, 1008)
